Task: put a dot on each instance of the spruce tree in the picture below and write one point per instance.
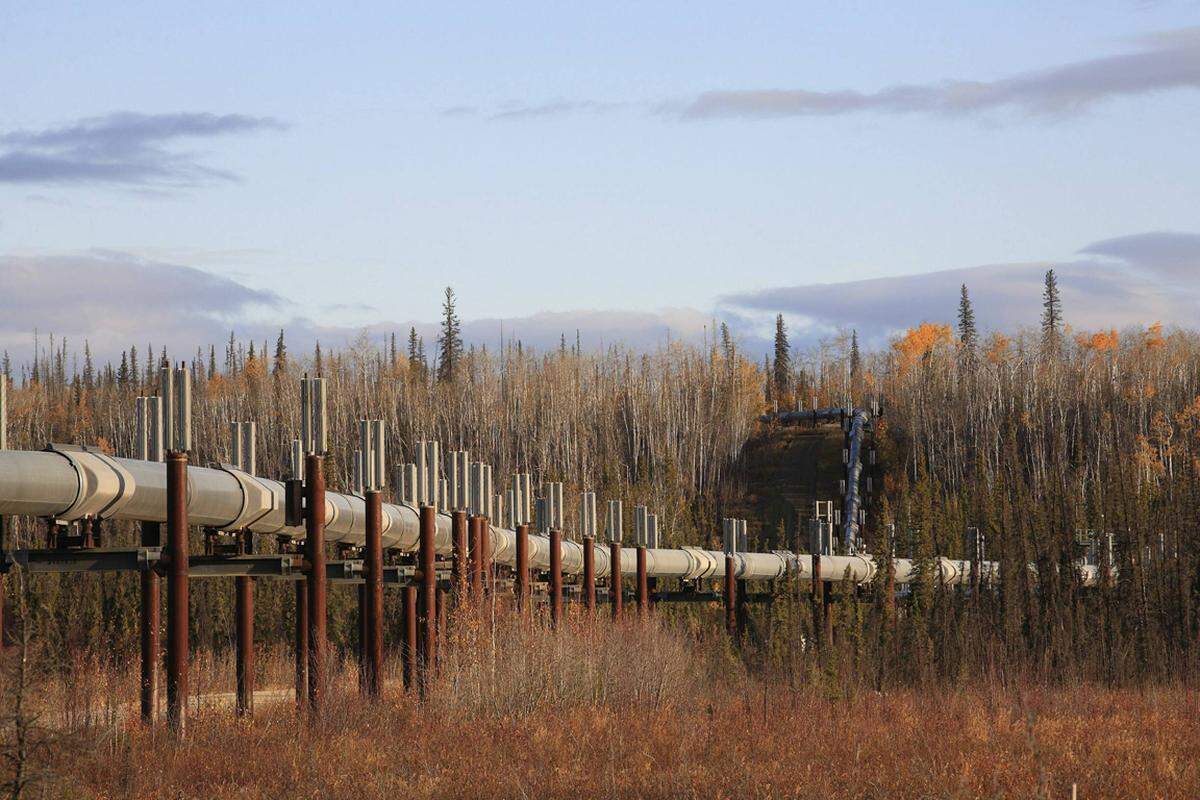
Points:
(89, 368)
(855, 357)
(280, 364)
(1051, 315)
(783, 359)
(450, 346)
(968, 335)
(726, 342)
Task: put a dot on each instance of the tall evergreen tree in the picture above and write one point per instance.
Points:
(855, 356)
(123, 370)
(727, 346)
(450, 346)
(280, 364)
(968, 335)
(89, 368)
(783, 360)
(1051, 315)
(212, 361)
(416, 354)
(231, 356)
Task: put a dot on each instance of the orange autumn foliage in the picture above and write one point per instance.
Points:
(921, 341)
(1101, 342)
(1153, 337)
(997, 349)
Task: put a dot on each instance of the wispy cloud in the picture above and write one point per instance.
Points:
(1161, 62)
(554, 108)
(122, 148)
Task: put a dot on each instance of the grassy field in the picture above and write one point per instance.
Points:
(635, 710)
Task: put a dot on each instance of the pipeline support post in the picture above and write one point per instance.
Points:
(459, 568)
(148, 633)
(731, 616)
(589, 575)
(485, 552)
(427, 607)
(244, 611)
(521, 584)
(373, 590)
(614, 578)
(476, 557)
(643, 586)
(556, 581)
(409, 636)
(314, 544)
(177, 591)
(817, 602)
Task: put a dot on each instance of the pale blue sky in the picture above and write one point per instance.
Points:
(619, 184)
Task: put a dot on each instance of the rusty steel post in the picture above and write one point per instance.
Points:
(244, 605)
(373, 589)
(458, 537)
(589, 575)
(442, 615)
(521, 584)
(361, 652)
(485, 552)
(177, 591)
(817, 604)
(409, 636)
(556, 581)
(476, 557)
(614, 579)
(314, 545)
(740, 608)
(427, 607)
(643, 588)
(731, 622)
(149, 627)
(827, 612)
(301, 641)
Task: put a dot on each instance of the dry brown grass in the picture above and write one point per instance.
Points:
(640, 711)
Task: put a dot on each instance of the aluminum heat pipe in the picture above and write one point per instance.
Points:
(69, 483)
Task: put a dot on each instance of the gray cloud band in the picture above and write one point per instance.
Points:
(91, 296)
(1131, 280)
(122, 148)
(1116, 282)
(1161, 62)
(1164, 62)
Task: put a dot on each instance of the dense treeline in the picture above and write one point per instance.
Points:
(659, 428)
(1059, 447)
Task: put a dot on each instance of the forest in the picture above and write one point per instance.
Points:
(1057, 446)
